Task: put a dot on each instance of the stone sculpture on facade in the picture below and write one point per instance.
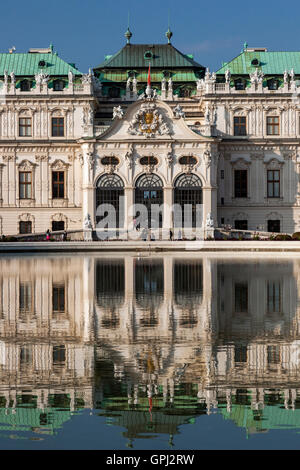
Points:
(178, 111)
(13, 78)
(70, 77)
(200, 84)
(118, 112)
(256, 77)
(87, 78)
(209, 221)
(227, 76)
(87, 227)
(207, 115)
(129, 157)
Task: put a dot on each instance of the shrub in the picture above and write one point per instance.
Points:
(296, 236)
(283, 237)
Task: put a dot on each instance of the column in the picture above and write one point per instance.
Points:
(209, 206)
(128, 209)
(167, 212)
(88, 204)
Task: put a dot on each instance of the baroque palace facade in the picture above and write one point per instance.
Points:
(227, 140)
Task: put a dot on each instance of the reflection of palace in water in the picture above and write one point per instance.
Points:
(152, 342)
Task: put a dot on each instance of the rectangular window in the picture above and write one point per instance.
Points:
(274, 226)
(25, 127)
(241, 224)
(272, 125)
(58, 184)
(25, 297)
(58, 225)
(241, 297)
(274, 297)
(25, 180)
(273, 183)
(26, 355)
(273, 354)
(222, 174)
(240, 183)
(239, 125)
(59, 354)
(58, 298)
(240, 353)
(58, 128)
(25, 227)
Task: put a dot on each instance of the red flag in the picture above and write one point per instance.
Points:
(149, 77)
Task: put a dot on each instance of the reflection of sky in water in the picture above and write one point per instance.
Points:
(164, 352)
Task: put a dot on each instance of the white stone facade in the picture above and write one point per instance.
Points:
(208, 137)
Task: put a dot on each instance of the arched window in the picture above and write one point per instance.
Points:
(188, 198)
(149, 192)
(149, 289)
(109, 190)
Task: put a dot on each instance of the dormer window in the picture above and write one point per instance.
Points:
(58, 85)
(25, 85)
(273, 84)
(148, 55)
(42, 63)
(239, 84)
(255, 62)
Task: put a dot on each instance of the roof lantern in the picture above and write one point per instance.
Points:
(169, 34)
(128, 35)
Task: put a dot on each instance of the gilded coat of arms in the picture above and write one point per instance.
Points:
(148, 121)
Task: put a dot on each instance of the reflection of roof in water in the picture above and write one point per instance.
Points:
(269, 418)
(152, 415)
(46, 421)
(139, 423)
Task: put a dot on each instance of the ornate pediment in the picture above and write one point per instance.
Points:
(148, 122)
(26, 165)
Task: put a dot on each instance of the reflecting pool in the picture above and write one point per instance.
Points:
(157, 351)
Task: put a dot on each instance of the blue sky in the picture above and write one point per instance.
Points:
(84, 31)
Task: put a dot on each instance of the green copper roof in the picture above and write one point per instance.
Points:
(270, 63)
(132, 56)
(28, 64)
(156, 76)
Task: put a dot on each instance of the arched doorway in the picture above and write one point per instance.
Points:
(149, 191)
(109, 190)
(188, 195)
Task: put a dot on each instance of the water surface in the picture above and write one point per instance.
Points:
(149, 352)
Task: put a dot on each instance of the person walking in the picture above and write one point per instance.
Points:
(48, 235)
(171, 235)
